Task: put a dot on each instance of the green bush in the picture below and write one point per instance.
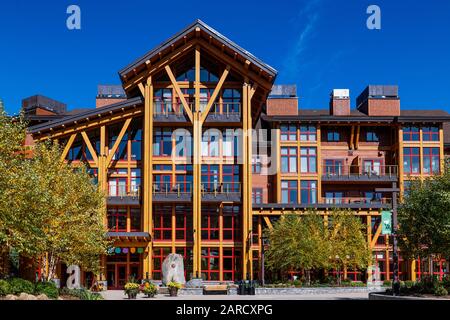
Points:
(387, 283)
(82, 294)
(47, 288)
(440, 291)
(5, 288)
(446, 282)
(408, 284)
(17, 286)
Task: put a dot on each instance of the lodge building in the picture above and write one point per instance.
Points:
(210, 200)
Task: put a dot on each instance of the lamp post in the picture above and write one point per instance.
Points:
(394, 190)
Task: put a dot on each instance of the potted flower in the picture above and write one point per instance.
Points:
(173, 288)
(131, 289)
(149, 289)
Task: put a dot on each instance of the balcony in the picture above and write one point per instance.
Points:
(121, 196)
(356, 173)
(224, 112)
(219, 192)
(332, 203)
(169, 112)
(182, 192)
(167, 192)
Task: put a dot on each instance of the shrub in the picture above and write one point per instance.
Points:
(82, 294)
(408, 284)
(17, 286)
(47, 288)
(5, 288)
(446, 282)
(387, 283)
(440, 291)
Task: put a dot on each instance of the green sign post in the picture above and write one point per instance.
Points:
(386, 222)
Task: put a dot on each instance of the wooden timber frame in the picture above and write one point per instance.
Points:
(250, 77)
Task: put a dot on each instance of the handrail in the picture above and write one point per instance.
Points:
(122, 191)
(360, 170)
(355, 200)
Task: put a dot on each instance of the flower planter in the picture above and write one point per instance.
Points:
(150, 295)
(132, 295)
(173, 292)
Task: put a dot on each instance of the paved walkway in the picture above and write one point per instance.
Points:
(119, 295)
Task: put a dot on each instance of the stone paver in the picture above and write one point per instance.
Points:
(119, 295)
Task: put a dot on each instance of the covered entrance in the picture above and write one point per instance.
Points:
(122, 267)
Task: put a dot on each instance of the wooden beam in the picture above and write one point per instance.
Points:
(215, 93)
(352, 136)
(68, 146)
(269, 224)
(92, 124)
(90, 147)
(239, 67)
(358, 130)
(375, 237)
(141, 88)
(173, 56)
(118, 141)
(179, 93)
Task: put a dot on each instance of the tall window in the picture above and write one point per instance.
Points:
(308, 133)
(117, 219)
(288, 132)
(113, 134)
(162, 223)
(430, 133)
(162, 142)
(411, 160)
(183, 143)
(289, 191)
(136, 140)
(230, 143)
(231, 223)
(210, 263)
(210, 224)
(135, 217)
(257, 195)
(230, 176)
(431, 163)
(231, 261)
(183, 223)
(332, 197)
(411, 134)
(288, 160)
(334, 167)
(184, 179)
(163, 101)
(308, 192)
(373, 197)
(333, 136)
(159, 255)
(210, 177)
(210, 143)
(118, 182)
(135, 181)
(308, 160)
(162, 182)
(372, 167)
(231, 101)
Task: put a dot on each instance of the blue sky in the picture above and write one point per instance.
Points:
(318, 45)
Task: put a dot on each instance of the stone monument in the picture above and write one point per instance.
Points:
(173, 269)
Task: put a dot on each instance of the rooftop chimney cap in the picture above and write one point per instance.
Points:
(340, 93)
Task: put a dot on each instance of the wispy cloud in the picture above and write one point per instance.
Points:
(307, 18)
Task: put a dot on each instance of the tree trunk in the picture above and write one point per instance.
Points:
(308, 277)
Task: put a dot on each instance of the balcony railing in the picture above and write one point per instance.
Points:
(166, 109)
(360, 171)
(221, 188)
(356, 200)
(224, 110)
(178, 189)
(122, 191)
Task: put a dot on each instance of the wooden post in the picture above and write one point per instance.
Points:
(147, 179)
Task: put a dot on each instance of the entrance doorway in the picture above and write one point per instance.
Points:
(122, 267)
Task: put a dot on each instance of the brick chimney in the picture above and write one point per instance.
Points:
(282, 101)
(379, 100)
(340, 102)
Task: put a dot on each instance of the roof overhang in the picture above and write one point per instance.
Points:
(198, 33)
(91, 115)
(355, 119)
(129, 236)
